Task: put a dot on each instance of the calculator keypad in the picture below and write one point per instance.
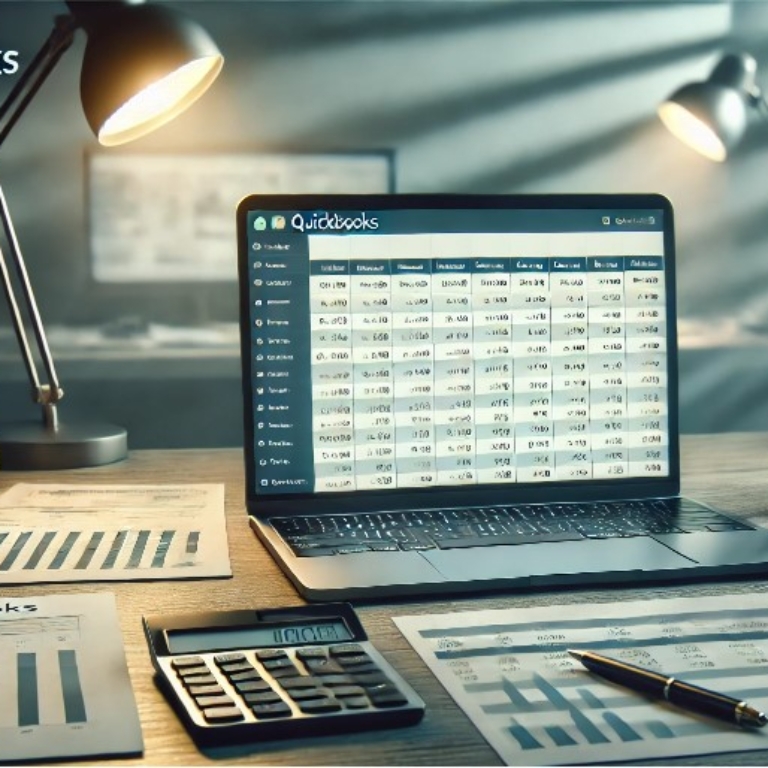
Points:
(272, 684)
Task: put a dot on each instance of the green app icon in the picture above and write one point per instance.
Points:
(260, 223)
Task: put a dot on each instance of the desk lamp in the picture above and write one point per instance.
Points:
(143, 65)
(711, 116)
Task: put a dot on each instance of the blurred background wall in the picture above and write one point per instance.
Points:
(476, 96)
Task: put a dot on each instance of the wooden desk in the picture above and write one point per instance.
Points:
(730, 471)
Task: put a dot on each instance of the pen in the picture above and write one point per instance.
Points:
(670, 688)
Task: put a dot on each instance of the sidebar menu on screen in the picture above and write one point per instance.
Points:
(280, 357)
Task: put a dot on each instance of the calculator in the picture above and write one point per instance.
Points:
(286, 672)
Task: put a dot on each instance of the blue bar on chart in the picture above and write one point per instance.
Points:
(166, 539)
(15, 551)
(27, 703)
(524, 737)
(114, 550)
(74, 703)
(138, 549)
(559, 737)
(64, 550)
(193, 541)
(90, 550)
(39, 550)
(623, 729)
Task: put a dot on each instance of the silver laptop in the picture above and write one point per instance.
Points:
(448, 393)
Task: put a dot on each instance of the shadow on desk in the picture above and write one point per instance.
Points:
(169, 387)
(165, 412)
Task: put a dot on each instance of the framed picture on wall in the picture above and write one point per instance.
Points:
(170, 217)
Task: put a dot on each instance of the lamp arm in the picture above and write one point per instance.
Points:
(11, 110)
(45, 394)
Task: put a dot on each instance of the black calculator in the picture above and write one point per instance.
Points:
(260, 674)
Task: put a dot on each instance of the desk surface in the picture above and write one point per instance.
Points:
(729, 471)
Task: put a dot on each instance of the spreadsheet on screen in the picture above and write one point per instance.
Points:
(401, 349)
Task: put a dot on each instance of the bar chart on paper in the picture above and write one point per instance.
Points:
(65, 688)
(41, 655)
(51, 533)
(510, 672)
(98, 552)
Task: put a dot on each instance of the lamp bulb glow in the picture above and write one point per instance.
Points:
(692, 131)
(160, 102)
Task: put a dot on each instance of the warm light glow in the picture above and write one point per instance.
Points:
(160, 102)
(692, 131)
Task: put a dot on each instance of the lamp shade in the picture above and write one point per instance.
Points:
(711, 116)
(143, 65)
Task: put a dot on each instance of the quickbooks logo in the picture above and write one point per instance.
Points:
(9, 608)
(333, 222)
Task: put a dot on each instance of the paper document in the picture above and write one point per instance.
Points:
(66, 691)
(51, 533)
(535, 705)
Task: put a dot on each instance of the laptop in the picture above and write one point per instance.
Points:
(462, 393)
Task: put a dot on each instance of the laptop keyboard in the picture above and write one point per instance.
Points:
(337, 534)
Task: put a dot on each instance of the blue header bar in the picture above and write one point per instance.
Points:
(538, 264)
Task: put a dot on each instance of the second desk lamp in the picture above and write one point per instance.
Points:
(711, 116)
(143, 65)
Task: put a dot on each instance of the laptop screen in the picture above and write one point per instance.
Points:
(404, 343)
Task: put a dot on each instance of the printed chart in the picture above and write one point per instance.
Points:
(109, 533)
(535, 705)
(60, 700)
(66, 690)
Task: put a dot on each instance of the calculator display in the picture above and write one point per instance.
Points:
(230, 638)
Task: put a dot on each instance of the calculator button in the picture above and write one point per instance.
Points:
(241, 677)
(311, 653)
(333, 680)
(355, 660)
(188, 661)
(205, 690)
(267, 697)
(393, 699)
(199, 680)
(342, 691)
(204, 702)
(300, 681)
(278, 663)
(370, 679)
(228, 658)
(363, 669)
(229, 669)
(356, 702)
(264, 711)
(316, 706)
(186, 672)
(270, 653)
(222, 714)
(323, 667)
(346, 649)
(278, 674)
(252, 686)
(302, 694)
(386, 695)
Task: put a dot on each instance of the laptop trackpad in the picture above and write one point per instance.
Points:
(548, 563)
(722, 548)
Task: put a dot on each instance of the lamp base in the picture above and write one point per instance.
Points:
(30, 446)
